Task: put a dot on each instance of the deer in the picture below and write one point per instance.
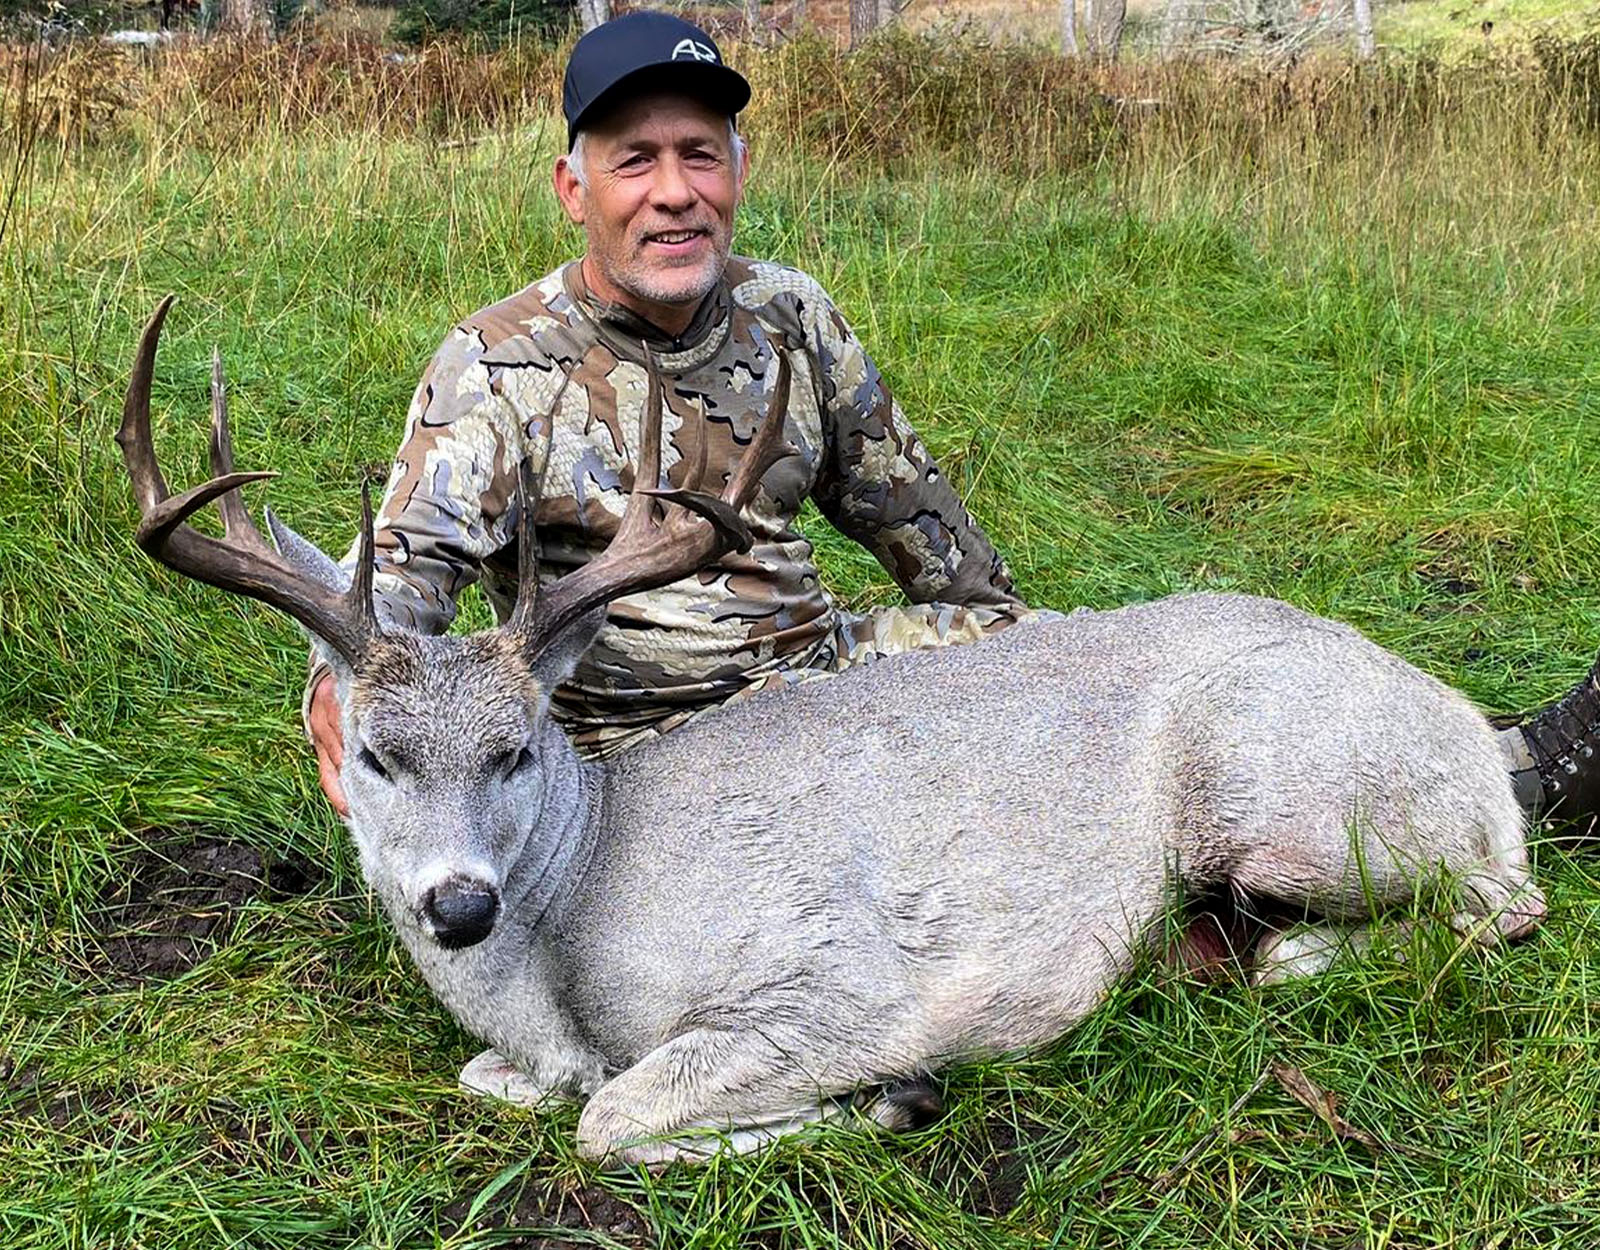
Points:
(795, 908)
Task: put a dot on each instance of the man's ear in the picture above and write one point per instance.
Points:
(308, 558)
(569, 191)
(744, 167)
(556, 662)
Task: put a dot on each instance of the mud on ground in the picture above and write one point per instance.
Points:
(180, 899)
(549, 1215)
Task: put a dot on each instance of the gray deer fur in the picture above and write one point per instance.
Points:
(837, 886)
(950, 853)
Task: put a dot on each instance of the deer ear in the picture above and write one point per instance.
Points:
(556, 662)
(311, 561)
(306, 557)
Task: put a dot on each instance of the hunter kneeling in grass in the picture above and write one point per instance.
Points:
(654, 174)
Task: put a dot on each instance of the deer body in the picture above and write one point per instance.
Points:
(949, 853)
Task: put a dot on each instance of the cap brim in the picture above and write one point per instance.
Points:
(722, 88)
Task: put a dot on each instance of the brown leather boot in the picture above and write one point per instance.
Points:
(1555, 755)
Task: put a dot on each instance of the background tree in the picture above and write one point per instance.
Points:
(1366, 46)
(244, 19)
(1113, 17)
(1103, 22)
(1069, 27)
(593, 12)
(863, 20)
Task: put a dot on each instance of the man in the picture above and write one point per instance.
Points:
(654, 174)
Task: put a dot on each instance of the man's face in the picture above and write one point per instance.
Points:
(658, 209)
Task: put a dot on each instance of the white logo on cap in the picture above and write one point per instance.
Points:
(694, 50)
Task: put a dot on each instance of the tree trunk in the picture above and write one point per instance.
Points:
(1108, 39)
(244, 19)
(1366, 46)
(1091, 30)
(797, 15)
(863, 20)
(1069, 27)
(752, 19)
(593, 12)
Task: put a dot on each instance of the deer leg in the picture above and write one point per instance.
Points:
(704, 1091)
(494, 1076)
(1499, 901)
(1494, 907)
(1496, 898)
(1305, 950)
(904, 1106)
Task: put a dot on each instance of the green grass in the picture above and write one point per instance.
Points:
(1456, 26)
(1350, 367)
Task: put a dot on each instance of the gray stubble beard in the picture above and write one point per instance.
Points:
(637, 289)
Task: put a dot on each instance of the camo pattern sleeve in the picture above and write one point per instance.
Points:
(879, 486)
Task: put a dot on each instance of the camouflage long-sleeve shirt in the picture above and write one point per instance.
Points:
(550, 369)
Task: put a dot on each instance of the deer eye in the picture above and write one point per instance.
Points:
(372, 763)
(513, 764)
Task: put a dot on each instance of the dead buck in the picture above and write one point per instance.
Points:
(829, 889)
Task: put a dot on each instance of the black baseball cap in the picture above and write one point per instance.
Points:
(646, 52)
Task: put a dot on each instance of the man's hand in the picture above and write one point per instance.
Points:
(327, 737)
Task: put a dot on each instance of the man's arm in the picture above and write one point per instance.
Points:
(879, 486)
(443, 511)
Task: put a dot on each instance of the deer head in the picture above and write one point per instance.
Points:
(453, 772)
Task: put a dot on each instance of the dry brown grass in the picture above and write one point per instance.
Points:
(1017, 104)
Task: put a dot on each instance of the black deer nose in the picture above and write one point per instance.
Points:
(462, 911)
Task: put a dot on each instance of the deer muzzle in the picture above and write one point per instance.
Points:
(461, 910)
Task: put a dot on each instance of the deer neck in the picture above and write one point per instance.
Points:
(563, 837)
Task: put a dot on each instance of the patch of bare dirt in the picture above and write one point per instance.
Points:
(548, 1216)
(998, 1185)
(180, 898)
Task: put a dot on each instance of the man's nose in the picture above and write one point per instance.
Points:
(672, 189)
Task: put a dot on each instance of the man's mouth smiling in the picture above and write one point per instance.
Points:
(675, 240)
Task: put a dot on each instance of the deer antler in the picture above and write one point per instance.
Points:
(665, 533)
(242, 561)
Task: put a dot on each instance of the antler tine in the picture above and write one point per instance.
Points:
(234, 563)
(767, 447)
(157, 525)
(133, 436)
(236, 523)
(358, 599)
(530, 490)
(160, 512)
(648, 552)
